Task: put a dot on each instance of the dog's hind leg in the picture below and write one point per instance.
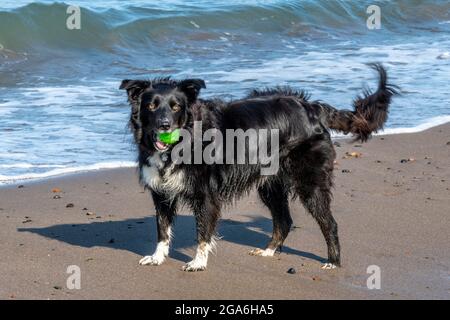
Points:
(313, 186)
(207, 212)
(165, 213)
(274, 194)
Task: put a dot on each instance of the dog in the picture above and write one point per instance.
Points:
(306, 156)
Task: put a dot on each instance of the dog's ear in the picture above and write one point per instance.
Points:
(134, 88)
(191, 88)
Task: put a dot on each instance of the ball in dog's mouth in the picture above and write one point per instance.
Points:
(159, 145)
(164, 139)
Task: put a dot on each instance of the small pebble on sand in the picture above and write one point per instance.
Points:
(291, 271)
(353, 154)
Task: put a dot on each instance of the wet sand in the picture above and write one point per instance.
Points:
(392, 214)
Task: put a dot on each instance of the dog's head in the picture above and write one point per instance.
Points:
(159, 105)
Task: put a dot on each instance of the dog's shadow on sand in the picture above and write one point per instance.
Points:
(139, 235)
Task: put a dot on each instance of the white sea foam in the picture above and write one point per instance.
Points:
(49, 96)
(30, 165)
(430, 123)
(63, 171)
(444, 56)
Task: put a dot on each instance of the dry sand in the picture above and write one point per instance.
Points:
(390, 214)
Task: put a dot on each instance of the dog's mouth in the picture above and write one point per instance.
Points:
(159, 145)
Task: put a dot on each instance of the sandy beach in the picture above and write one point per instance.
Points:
(391, 213)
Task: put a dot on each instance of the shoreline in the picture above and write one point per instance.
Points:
(102, 166)
(391, 213)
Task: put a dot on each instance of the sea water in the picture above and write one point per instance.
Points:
(61, 110)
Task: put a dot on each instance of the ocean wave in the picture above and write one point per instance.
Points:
(30, 166)
(4, 180)
(113, 25)
(427, 124)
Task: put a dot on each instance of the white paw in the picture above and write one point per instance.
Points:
(201, 258)
(154, 260)
(328, 266)
(262, 253)
(194, 265)
(158, 257)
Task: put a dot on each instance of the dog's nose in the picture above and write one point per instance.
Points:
(164, 124)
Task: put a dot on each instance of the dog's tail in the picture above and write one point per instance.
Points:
(370, 110)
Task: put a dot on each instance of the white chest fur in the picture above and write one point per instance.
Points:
(170, 181)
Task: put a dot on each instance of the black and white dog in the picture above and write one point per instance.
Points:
(305, 152)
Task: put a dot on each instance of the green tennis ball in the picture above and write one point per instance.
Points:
(170, 137)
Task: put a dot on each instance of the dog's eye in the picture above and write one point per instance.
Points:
(176, 107)
(151, 106)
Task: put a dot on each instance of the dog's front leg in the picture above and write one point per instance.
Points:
(165, 213)
(207, 212)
